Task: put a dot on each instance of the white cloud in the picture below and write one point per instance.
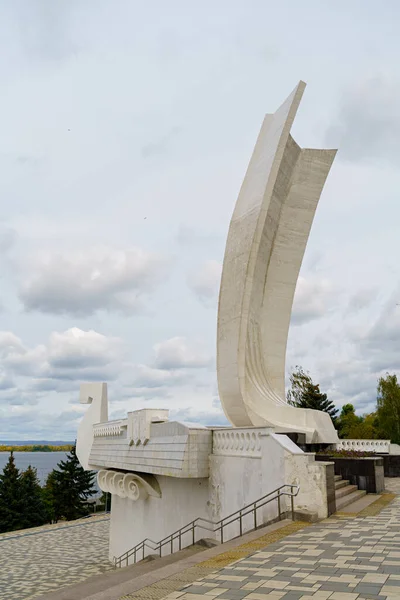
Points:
(211, 417)
(379, 343)
(176, 353)
(313, 299)
(150, 377)
(82, 283)
(204, 281)
(155, 161)
(367, 126)
(189, 236)
(363, 298)
(25, 422)
(8, 237)
(73, 355)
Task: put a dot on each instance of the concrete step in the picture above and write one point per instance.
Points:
(345, 491)
(341, 503)
(341, 483)
(338, 477)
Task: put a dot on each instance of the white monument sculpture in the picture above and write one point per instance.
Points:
(266, 243)
(163, 475)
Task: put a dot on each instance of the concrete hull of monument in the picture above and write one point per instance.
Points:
(182, 501)
(163, 475)
(238, 476)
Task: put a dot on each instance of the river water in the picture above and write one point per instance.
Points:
(44, 462)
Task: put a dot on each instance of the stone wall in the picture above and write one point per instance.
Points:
(391, 465)
(131, 522)
(245, 465)
(366, 473)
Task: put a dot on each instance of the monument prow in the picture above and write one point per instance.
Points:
(94, 394)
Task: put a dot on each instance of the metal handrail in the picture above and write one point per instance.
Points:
(212, 526)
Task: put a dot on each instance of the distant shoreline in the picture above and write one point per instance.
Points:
(35, 448)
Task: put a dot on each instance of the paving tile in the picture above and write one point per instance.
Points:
(363, 588)
(346, 558)
(343, 596)
(234, 595)
(45, 559)
(339, 559)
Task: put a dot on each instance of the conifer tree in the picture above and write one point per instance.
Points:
(68, 489)
(10, 497)
(305, 394)
(33, 509)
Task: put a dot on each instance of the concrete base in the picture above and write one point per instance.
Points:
(182, 501)
(305, 515)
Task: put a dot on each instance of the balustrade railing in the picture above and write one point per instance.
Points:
(379, 446)
(110, 428)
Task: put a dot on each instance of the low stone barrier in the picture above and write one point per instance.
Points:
(391, 465)
(366, 473)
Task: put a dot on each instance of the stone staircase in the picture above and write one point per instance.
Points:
(345, 493)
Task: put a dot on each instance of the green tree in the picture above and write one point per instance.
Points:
(303, 393)
(10, 497)
(68, 489)
(349, 423)
(388, 408)
(106, 499)
(33, 509)
(368, 429)
(52, 499)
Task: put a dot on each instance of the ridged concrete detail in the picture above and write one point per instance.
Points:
(264, 251)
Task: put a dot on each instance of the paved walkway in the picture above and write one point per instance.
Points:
(341, 558)
(36, 561)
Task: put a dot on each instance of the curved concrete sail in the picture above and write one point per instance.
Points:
(266, 242)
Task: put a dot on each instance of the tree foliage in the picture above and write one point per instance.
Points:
(384, 422)
(68, 489)
(33, 508)
(303, 393)
(24, 503)
(10, 497)
(348, 422)
(35, 448)
(388, 408)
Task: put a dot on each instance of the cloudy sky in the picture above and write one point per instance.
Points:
(126, 129)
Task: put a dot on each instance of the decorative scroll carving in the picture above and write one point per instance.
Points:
(129, 485)
(134, 488)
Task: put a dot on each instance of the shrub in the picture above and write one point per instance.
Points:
(346, 453)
